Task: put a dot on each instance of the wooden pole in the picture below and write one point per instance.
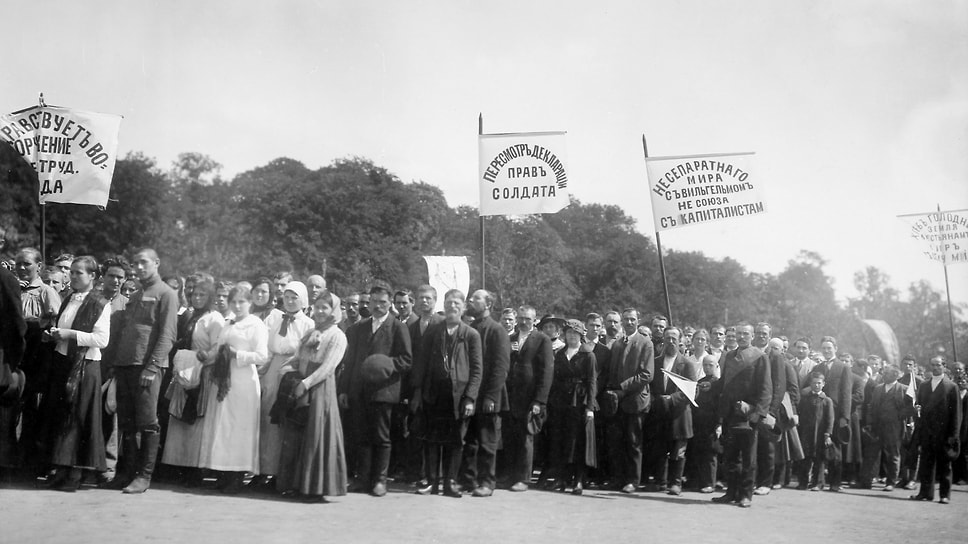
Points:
(951, 319)
(480, 130)
(658, 247)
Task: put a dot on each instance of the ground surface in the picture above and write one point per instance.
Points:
(168, 513)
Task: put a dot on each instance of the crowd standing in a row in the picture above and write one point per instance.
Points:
(309, 395)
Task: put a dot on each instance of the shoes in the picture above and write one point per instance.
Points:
(138, 485)
(451, 489)
(943, 500)
(708, 489)
(888, 487)
(233, 485)
(429, 489)
(920, 497)
(559, 485)
(675, 490)
(629, 488)
(724, 499)
(777, 486)
(815, 488)
(744, 503)
(834, 489)
(483, 491)
(910, 486)
(519, 487)
(57, 479)
(762, 490)
(578, 489)
(379, 490)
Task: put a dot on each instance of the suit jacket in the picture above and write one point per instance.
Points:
(669, 404)
(887, 411)
(745, 377)
(629, 372)
(497, 363)
(778, 379)
(816, 420)
(391, 339)
(464, 364)
(837, 386)
(940, 421)
(413, 381)
(531, 374)
(12, 326)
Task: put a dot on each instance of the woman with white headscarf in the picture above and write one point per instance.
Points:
(313, 461)
(286, 329)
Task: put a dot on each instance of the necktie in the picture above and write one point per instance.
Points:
(286, 320)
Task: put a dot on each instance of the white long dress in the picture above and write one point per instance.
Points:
(184, 442)
(281, 349)
(230, 428)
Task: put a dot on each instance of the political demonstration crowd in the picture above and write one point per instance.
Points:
(113, 377)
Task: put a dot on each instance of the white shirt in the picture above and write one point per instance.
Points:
(95, 340)
(378, 322)
(935, 380)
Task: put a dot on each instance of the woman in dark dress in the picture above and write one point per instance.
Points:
(571, 408)
(81, 330)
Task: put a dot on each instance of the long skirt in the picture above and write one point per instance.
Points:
(230, 427)
(270, 434)
(184, 443)
(313, 459)
(77, 438)
(572, 437)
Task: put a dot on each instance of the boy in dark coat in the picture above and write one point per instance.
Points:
(816, 425)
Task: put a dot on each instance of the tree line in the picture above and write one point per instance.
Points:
(356, 221)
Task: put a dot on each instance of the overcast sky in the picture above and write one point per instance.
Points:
(857, 110)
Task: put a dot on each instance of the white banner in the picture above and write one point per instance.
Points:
(944, 234)
(703, 188)
(73, 151)
(446, 273)
(522, 173)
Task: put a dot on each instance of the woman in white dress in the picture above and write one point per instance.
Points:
(286, 330)
(230, 426)
(184, 442)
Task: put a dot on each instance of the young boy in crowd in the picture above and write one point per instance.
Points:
(816, 425)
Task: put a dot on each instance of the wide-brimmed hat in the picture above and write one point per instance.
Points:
(576, 326)
(550, 318)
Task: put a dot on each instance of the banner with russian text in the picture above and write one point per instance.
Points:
(446, 273)
(702, 188)
(522, 173)
(944, 234)
(73, 151)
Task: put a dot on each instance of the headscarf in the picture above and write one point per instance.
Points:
(337, 315)
(299, 288)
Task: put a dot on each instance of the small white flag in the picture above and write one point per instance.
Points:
(446, 273)
(687, 386)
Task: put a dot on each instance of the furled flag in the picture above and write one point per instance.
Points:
(446, 273)
(701, 188)
(522, 173)
(687, 386)
(73, 151)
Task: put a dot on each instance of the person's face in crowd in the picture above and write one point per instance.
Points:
(658, 327)
(365, 305)
(240, 307)
(890, 375)
(453, 309)
(261, 294)
(775, 345)
(959, 376)
(786, 345)
(189, 287)
(670, 341)
(526, 320)
(28, 269)
(710, 367)
(761, 336)
(404, 305)
(876, 364)
(816, 385)
(113, 278)
(744, 336)
(199, 300)
(508, 320)
(630, 322)
(316, 286)
(145, 265)
(717, 337)
(426, 300)
(64, 265)
(699, 342)
(828, 350)
(847, 359)
(290, 302)
(56, 280)
(907, 366)
(128, 288)
(81, 279)
(937, 366)
(379, 305)
(801, 349)
(322, 311)
(573, 338)
(222, 300)
(352, 303)
(477, 304)
(613, 325)
(593, 328)
(687, 337)
(551, 330)
(730, 339)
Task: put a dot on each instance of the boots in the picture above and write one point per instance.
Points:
(148, 456)
(127, 464)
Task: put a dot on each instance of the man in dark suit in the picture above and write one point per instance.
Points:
(938, 428)
(529, 381)
(959, 469)
(883, 422)
(745, 392)
(626, 401)
(596, 337)
(909, 446)
(767, 440)
(423, 318)
(402, 453)
(838, 387)
(671, 413)
(12, 331)
(371, 400)
(484, 432)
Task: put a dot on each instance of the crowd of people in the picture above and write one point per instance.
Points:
(112, 375)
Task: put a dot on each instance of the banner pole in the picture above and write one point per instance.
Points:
(951, 319)
(658, 247)
(480, 131)
(43, 232)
